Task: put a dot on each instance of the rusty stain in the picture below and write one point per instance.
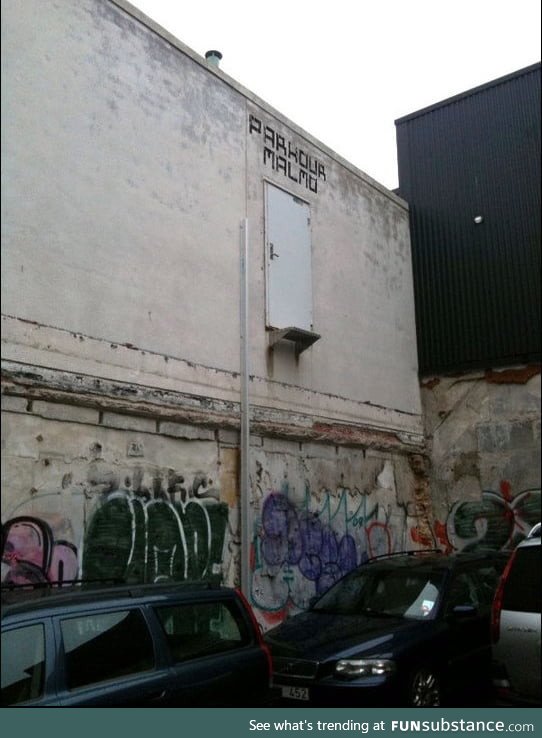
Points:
(513, 376)
(422, 498)
(229, 476)
(352, 435)
(431, 383)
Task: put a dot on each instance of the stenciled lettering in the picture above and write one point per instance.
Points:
(283, 156)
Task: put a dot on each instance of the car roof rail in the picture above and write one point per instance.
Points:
(54, 584)
(410, 552)
(137, 588)
(535, 531)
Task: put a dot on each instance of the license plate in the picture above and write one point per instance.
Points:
(295, 693)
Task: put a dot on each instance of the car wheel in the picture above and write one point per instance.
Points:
(424, 688)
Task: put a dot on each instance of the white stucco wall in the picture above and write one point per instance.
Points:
(128, 167)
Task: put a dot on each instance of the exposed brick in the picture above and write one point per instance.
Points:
(190, 432)
(129, 422)
(278, 446)
(228, 438)
(327, 451)
(67, 413)
(345, 452)
(13, 404)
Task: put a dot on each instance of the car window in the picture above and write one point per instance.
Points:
(522, 590)
(346, 595)
(23, 664)
(401, 593)
(103, 646)
(204, 628)
(463, 592)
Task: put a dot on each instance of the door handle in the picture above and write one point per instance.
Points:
(273, 254)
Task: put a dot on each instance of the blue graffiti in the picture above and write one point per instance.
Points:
(300, 539)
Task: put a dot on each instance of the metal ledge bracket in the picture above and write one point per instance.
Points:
(301, 338)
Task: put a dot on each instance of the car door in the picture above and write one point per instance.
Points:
(109, 660)
(215, 658)
(468, 617)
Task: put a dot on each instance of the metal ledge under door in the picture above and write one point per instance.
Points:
(303, 339)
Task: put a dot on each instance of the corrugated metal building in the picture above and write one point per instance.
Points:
(470, 169)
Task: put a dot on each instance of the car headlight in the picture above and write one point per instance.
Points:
(356, 668)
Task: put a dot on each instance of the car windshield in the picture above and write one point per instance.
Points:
(396, 593)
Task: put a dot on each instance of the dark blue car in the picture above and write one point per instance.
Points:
(411, 629)
(184, 644)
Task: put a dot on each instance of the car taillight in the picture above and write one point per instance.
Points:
(265, 648)
(498, 599)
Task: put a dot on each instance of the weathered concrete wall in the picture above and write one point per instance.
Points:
(102, 494)
(130, 164)
(319, 513)
(483, 435)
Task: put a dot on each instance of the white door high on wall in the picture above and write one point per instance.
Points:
(288, 260)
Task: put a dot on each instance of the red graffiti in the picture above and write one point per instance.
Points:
(378, 539)
(506, 490)
(418, 537)
(442, 536)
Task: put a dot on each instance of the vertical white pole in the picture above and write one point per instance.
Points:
(245, 416)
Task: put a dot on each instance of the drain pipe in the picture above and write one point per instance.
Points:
(245, 414)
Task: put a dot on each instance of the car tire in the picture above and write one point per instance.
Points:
(424, 688)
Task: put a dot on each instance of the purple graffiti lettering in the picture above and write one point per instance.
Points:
(331, 573)
(309, 549)
(347, 553)
(275, 515)
(310, 565)
(329, 552)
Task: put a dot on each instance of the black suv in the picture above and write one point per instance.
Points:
(410, 629)
(188, 644)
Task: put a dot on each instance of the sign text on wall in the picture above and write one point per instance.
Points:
(283, 156)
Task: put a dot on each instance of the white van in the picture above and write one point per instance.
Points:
(516, 631)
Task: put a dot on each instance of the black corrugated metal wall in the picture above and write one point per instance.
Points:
(477, 286)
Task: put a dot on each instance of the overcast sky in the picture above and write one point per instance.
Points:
(344, 70)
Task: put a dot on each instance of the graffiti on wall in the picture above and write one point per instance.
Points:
(299, 551)
(498, 521)
(166, 530)
(155, 539)
(31, 553)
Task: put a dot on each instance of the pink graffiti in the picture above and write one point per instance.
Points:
(30, 553)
